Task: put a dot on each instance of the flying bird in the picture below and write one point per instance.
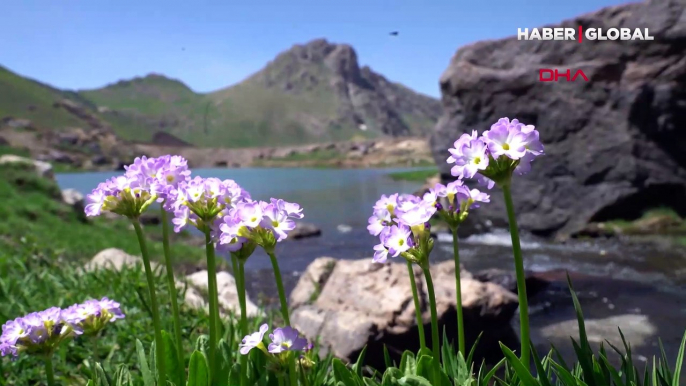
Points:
(394, 33)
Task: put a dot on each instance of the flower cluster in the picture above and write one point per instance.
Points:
(42, 332)
(283, 339)
(37, 333)
(509, 146)
(203, 202)
(460, 200)
(285, 343)
(258, 222)
(401, 222)
(93, 315)
(144, 182)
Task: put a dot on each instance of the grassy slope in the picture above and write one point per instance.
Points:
(30, 208)
(43, 243)
(19, 93)
(247, 114)
(24, 98)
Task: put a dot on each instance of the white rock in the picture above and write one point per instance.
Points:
(226, 290)
(115, 259)
(43, 169)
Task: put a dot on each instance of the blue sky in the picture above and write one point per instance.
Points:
(77, 44)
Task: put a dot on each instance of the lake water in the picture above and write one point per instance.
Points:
(338, 201)
(642, 287)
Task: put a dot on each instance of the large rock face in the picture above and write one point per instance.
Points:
(615, 145)
(353, 304)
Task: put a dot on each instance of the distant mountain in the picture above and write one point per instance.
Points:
(315, 92)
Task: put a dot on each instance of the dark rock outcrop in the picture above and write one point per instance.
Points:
(161, 138)
(615, 145)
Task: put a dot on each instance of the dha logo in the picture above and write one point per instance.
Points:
(560, 33)
(554, 75)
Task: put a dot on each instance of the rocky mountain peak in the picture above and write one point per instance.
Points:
(363, 99)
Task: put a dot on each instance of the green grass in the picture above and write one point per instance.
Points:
(31, 208)
(34, 277)
(628, 226)
(4, 149)
(414, 175)
(671, 227)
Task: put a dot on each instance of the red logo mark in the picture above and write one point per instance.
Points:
(554, 75)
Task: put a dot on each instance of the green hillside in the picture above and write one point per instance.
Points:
(310, 93)
(27, 99)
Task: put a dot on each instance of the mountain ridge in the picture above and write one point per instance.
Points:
(311, 93)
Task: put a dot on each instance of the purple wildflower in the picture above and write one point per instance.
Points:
(532, 143)
(380, 253)
(506, 138)
(93, 315)
(36, 333)
(489, 158)
(387, 202)
(230, 227)
(253, 340)
(472, 197)
(380, 220)
(286, 339)
(456, 151)
(250, 213)
(277, 220)
(416, 214)
(470, 159)
(524, 165)
(96, 200)
(127, 195)
(452, 190)
(204, 202)
(485, 181)
(398, 239)
(434, 193)
(291, 209)
(258, 222)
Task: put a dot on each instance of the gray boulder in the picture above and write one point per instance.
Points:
(352, 304)
(615, 145)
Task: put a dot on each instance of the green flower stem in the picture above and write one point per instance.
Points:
(435, 342)
(521, 279)
(159, 343)
(240, 282)
(49, 372)
(171, 283)
(458, 295)
(417, 306)
(280, 378)
(234, 269)
(291, 370)
(279, 286)
(94, 343)
(242, 299)
(213, 302)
